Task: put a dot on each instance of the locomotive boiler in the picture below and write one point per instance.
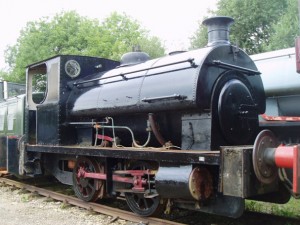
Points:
(200, 99)
(177, 131)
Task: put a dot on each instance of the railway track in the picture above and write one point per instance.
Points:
(115, 213)
(186, 217)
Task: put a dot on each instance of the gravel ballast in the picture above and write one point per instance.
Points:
(18, 207)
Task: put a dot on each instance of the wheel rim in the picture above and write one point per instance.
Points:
(87, 189)
(141, 205)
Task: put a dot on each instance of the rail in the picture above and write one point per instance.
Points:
(115, 213)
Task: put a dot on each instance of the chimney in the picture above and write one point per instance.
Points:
(218, 29)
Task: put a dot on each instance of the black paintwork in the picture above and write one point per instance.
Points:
(228, 206)
(12, 155)
(159, 155)
(171, 87)
(171, 178)
(51, 117)
(3, 152)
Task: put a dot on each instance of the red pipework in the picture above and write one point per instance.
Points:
(104, 137)
(13, 137)
(280, 118)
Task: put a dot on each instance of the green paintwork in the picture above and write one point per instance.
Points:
(12, 116)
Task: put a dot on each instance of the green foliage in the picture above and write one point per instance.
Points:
(3, 74)
(66, 33)
(152, 46)
(69, 33)
(26, 197)
(286, 29)
(65, 205)
(199, 39)
(255, 23)
(290, 209)
(121, 33)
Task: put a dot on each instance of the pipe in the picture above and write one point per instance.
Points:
(155, 130)
(135, 144)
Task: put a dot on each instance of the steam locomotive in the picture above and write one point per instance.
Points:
(177, 131)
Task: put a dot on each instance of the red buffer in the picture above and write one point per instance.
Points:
(269, 156)
(289, 157)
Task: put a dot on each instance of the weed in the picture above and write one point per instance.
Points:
(254, 206)
(49, 199)
(26, 198)
(65, 205)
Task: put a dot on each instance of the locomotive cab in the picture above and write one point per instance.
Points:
(52, 77)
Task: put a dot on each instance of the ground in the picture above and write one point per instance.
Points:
(17, 207)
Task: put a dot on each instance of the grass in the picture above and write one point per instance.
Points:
(290, 209)
(65, 205)
(26, 197)
(49, 199)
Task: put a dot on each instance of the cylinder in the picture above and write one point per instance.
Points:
(193, 183)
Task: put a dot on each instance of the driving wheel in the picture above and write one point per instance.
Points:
(138, 202)
(87, 189)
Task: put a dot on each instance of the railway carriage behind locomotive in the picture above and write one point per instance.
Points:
(173, 131)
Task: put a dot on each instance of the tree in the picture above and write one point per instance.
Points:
(69, 33)
(253, 21)
(3, 74)
(152, 45)
(286, 29)
(66, 33)
(199, 39)
(122, 33)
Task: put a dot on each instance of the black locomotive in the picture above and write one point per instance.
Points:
(174, 131)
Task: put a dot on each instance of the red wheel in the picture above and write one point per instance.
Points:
(87, 189)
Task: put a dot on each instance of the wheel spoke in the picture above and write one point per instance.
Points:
(84, 192)
(85, 188)
(91, 186)
(139, 201)
(145, 203)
